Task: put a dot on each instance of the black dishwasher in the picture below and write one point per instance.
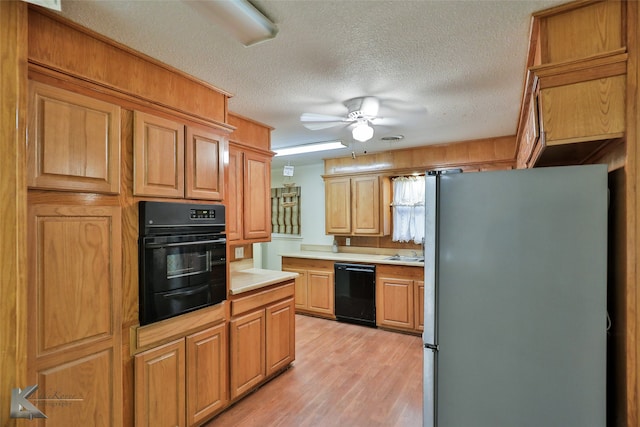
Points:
(355, 293)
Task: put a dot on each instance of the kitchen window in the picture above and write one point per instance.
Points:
(408, 209)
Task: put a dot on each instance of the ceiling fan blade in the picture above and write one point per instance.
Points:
(370, 106)
(323, 125)
(312, 117)
(384, 121)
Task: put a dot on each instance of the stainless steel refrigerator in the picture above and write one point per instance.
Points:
(515, 298)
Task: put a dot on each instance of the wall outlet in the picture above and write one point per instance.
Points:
(348, 243)
(239, 252)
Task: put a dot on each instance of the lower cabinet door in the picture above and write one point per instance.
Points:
(418, 303)
(207, 378)
(301, 287)
(320, 292)
(247, 352)
(280, 331)
(395, 303)
(160, 386)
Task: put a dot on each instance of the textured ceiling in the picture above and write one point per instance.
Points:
(446, 70)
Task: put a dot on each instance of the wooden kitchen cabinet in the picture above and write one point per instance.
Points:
(184, 381)
(204, 167)
(73, 141)
(166, 166)
(249, 200)
(301, 294)
(249, 181)
(315, 286)
(418, 303)
(569, 119)
(574, 104)
(158, 145)
(337, 205)
(248, 367)
(160, 386)
(280, 335)
(396, 303)
(357, 205)
(262, 336)
(585, 110)
(320, 292)
(400, 297)
(207, 373)
(74, 295)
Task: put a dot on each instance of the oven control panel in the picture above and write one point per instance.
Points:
(168, 215)
(203, 214)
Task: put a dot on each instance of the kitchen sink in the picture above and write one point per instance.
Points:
(406, 258)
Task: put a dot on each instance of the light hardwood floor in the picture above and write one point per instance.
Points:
(344, 375)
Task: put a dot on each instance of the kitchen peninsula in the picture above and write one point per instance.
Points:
(261, 327)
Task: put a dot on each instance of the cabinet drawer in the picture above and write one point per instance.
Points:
(260, 298)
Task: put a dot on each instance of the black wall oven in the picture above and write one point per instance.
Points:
(182, 258)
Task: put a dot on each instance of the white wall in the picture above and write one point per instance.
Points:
(309, 179)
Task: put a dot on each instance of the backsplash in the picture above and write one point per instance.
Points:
(377, 242)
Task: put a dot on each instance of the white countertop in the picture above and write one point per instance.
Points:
(256, 278)
(350, 257)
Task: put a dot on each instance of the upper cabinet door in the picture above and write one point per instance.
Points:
(357, 205)
(158, 146)
(338, 205)
(249, 198)
(235, 194)
(73, 141)
(257, 196)
(365, 205)
(204, 166)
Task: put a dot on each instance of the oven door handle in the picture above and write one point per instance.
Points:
(173, 245)
(185, 293)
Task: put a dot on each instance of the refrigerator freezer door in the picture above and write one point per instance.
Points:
(521, 282)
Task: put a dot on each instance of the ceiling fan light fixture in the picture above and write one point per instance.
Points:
(362, 132)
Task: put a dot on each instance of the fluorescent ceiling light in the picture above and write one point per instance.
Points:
(51, 4)
(238, 17)
(309, 148)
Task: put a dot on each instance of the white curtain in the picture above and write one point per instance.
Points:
(408, 209)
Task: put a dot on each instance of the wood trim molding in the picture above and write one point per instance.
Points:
(250, 133)
(113, 64)
(630, 383)
(79, 28)
(480, 154)
(103, 92)
(13, 201)
(148, 336)
(603, 67)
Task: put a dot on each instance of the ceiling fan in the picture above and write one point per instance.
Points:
(362, 113)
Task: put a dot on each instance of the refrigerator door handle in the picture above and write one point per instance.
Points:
(429, 404)
(429, 335)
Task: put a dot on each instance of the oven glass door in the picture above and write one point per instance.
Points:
(181, 274)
